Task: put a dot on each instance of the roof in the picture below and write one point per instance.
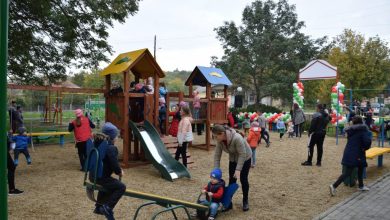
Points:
(318, 69)
(139, 62)
(201, 75)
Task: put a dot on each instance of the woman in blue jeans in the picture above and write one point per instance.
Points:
(359, 140)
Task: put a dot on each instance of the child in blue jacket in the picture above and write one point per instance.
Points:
(21, 143)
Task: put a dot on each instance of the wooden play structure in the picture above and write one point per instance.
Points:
(52, 109)
(122, 105)
(213, 110)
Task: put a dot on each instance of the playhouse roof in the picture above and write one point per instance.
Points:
(318, 69)
(139, 62)
(201, 75)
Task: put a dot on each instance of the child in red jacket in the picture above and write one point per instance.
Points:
(214, 192)
(253, 138)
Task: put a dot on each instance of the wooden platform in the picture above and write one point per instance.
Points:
(171, 144)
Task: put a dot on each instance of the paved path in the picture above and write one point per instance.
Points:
(373, 205)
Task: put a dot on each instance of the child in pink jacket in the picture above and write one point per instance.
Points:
(184, 134)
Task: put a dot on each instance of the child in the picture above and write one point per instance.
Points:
(162, 115)
(246, 123)
(359, 140)
(196, 104)
(11, 169)
(175, 121)
(21, 142)
(184, 135)
(253, 139)
(163, 90)
(214, 192)
(104, 168)
(290, 129)
(281, 128)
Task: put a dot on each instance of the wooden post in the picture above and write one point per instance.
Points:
(167, 102)
(156, 104)
(57, 113)
(107, 92)
(125, 124)
(208, 117)
(190, 90)
(60, 109)
(49, 106)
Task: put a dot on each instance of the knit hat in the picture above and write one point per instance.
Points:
(21, 130)
(78, 112)
(183, 103)
(216, 173)
(110, 130)
(255, 124)
(139, 86)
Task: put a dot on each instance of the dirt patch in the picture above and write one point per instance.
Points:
(280, 188)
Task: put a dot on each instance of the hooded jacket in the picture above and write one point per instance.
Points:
(359, 141)
(318, 123)
(237, 147)
(254, 136)
(298, 116)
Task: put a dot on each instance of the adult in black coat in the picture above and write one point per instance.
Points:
(317, 134)
(359, 140)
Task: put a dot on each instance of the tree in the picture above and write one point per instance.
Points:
(361, 63)
(265, 53)
(47, 36)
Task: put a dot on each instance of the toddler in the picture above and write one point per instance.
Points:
(21, 142)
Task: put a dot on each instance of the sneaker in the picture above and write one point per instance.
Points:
(245, 206)
(211, 218)
(15, 192)
(318, 164)
(97, 210)
(364, 188)
(306, 163)
(332, 190)
(268, 144)
(107, 211)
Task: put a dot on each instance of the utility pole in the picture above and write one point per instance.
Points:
(154, 54)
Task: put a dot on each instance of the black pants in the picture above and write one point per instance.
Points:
(348, 173)
(243, 177)
(281, 135)
(23, 151)
(298, 129)
(183, 152)
(162, 130)
(316, 139)
(82, 152)
(115, 189)
(11, 172)
(264, 135)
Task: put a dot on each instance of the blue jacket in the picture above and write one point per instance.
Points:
(21, 142)
(359, 140)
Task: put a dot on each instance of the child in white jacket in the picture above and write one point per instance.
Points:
(184, 134)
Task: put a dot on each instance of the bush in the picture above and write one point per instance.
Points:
(263, 108)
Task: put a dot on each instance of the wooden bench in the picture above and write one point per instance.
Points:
(59, 134)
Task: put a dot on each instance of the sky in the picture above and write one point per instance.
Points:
(185, 33)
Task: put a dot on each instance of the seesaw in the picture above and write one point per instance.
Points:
(168, 204)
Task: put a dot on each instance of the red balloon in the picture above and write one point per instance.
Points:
(334, 89)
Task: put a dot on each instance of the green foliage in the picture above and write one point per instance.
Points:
(256, 107)
(91, 79)
(174, 80)
(361, 63)
(46, 37)
(266, 52)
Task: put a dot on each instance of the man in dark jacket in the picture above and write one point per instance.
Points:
(107, 165)
(317, 134)
(359, 140)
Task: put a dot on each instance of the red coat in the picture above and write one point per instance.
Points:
(254, 136)
(84, 131)
(231, 119)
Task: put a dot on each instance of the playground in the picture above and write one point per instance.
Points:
(280, 187)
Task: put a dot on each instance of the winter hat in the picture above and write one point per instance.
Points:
(255, 124)
(21, 130)
(216, 173)
(182, 104)
(110, 130)
(161, 100)
(78, 112)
